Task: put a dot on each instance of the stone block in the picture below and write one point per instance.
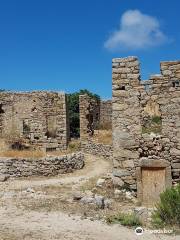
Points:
(120, 172)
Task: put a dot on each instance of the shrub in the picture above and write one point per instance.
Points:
(152, 124)
(124, 219)
(156, 119)
(74, 146)
(168, 209)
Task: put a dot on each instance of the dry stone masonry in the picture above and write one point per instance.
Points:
(98, 149)
(106, 114)
(48, 166)
(145, 122)
(94, 114)
(37, 119)
(89, 110)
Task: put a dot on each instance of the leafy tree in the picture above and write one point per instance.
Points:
(73, 105)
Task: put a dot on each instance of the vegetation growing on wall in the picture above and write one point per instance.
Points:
(152, 125)
(73, 105)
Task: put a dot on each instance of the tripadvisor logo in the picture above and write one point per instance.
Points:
(139, 231)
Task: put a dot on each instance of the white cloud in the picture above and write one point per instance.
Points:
(137, 31)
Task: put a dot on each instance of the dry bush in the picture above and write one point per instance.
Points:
(3, 145)
(103, 136)
(74, 145)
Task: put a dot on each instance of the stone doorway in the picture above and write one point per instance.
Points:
(153, 177)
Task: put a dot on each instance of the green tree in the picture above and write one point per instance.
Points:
(73, 106)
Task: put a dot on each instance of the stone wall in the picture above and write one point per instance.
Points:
(94, 114)
(48, 166)
(97, 149)
(89, 111)
(37, 118)
(106, 114)
(133, 100)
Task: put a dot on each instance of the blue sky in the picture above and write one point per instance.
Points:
(68, 45)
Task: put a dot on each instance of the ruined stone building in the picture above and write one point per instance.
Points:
(37, 119)
(146, 128)
(144, 117)
(94, 114)
(41, 120)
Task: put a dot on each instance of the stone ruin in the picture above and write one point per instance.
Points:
(89, 111)
(94, 114)
(34, 119)
(105, 119)
(144, 116)
(146, 158)
(40, 120)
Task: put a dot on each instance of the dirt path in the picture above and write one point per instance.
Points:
(94, 167)
(33, 225)
(24, 223)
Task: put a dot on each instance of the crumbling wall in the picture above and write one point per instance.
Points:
(133, 102)
(106, 114)
(37, 118)
(89, 110)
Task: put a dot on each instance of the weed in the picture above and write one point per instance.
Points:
(124, 219)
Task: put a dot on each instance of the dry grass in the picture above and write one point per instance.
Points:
(103, 136)
(23, 153)
(73, 146)
(3, 145)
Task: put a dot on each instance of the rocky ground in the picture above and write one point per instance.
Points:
(72, 206)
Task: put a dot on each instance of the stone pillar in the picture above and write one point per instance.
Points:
(126, 124)
(89, 110)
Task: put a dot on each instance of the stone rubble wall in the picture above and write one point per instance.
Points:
(97, 149)
(48, 166)
(38, 118)
(132, 99)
